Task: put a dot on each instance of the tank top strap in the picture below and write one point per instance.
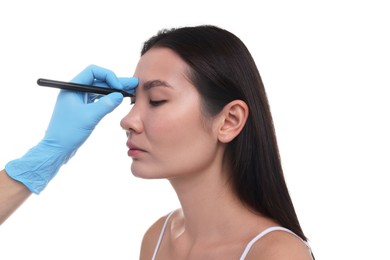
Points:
(161, 235)
(265, 232)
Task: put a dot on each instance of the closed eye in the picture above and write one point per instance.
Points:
(156, 103)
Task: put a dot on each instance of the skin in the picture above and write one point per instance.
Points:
(173, 139)
(12, 195)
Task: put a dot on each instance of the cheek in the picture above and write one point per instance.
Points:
(175, 121)
(180, 141)
(174, 127)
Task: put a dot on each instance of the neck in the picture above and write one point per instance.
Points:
(209, 206)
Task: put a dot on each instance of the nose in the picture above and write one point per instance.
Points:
(132, 122)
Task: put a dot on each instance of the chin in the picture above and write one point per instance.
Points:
(145, 174)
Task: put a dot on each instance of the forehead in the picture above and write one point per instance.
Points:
(162, 67)
(160, 63)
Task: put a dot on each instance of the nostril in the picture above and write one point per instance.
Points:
(129, 133)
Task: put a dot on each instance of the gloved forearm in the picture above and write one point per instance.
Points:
(38, 166)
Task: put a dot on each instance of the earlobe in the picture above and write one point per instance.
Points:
(233, 119)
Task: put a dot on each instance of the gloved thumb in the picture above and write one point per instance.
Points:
(129, 84)
(106, 104)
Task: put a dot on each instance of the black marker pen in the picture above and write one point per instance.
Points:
(81, 87)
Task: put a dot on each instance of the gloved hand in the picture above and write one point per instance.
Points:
(74, 117)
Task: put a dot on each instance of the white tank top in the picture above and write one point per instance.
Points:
(247, 248)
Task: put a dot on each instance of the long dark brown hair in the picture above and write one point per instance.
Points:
(223, 70)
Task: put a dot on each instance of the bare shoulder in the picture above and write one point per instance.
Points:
(279, 245)
(150, 238)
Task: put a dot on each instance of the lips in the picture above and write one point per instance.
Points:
(134, 150)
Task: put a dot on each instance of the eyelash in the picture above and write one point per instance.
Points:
(156, 103)
(153, 103)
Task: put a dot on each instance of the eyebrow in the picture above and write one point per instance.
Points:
(155, 83)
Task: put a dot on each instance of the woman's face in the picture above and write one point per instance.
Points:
(167, 134)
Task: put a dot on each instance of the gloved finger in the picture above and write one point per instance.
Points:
(105, 75)
(86, 76)
(105, 105)
(93, 74)
(70, 97)
(129, 84)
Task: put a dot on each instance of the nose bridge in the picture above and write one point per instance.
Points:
(132, 121)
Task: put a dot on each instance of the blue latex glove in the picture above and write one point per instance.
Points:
(74, 117)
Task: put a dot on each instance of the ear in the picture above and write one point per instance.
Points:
(232, 120)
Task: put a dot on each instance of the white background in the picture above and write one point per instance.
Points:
(325, 65)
